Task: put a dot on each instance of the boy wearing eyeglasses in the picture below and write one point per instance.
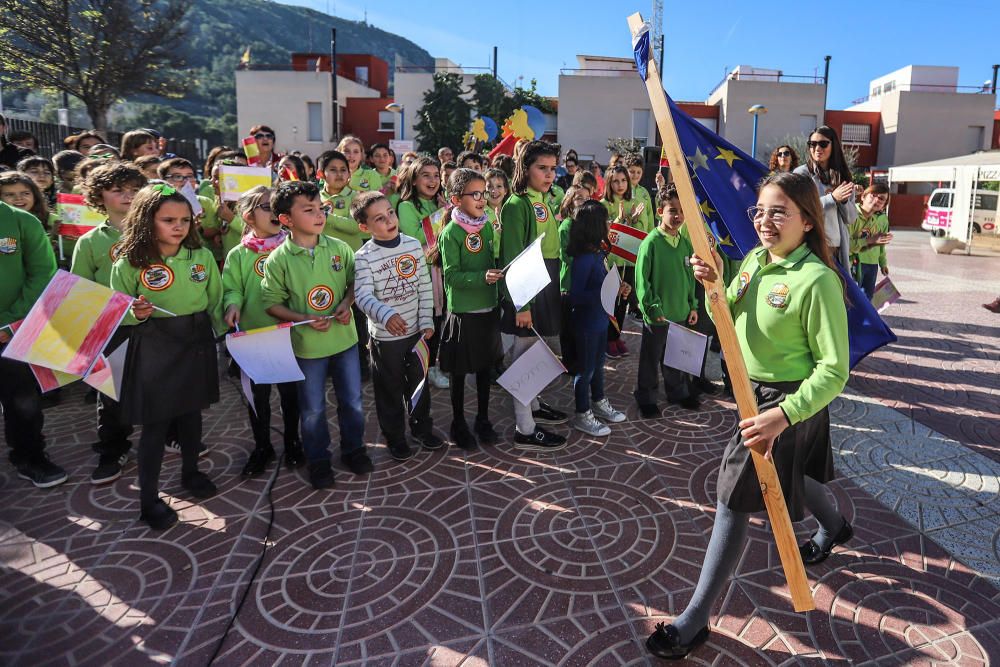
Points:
(393, 288)
(310, 279)
(665, 287)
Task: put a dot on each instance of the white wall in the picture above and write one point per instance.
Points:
(593, 109)
(409, 89)
(931, 126)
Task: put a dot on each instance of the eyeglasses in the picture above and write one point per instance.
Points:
(264, 135)
(784, 153)
(824, 144)
(263, 207)
(179, 178)
(478, 195)
(776, 215)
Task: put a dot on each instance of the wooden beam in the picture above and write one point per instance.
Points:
(715, 295)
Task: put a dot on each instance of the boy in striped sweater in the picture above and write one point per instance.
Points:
(393, 288)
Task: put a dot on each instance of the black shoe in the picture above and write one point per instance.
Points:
(358, 462)
(706, 386)
(539, 441)
(690, 403)
(484, 430)
(650, 410)
(109, 468)
(812, 554)
(462, 436)
(41, 472)
(429, 440)
(321, 475)
(257, 463)
(199, 485)
(665, 642)
(160, 516)
(294, 457)
(90, 397)
(400, 451)
(546, 414)
(51, 399)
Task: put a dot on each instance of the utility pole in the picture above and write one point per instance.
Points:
(661, 57)
(495, 63)
(335, 134)
(826, 84)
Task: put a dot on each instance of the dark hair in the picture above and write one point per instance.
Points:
(286, 192)
(407, 189)
(326, 157)
(667, 193)
(586, 179)
(173, 163)
(461, 177)
(527, 157)
(139, 236)
(571, 158)
(40, 208)
(609, 174)
(132, 140)
(836, 171)
(873, 189)
(106, 176)
(589, 229)
(21, 135)
(36, 161)
(297, 165)
(375, 147)
(567, 209)
(147, 160)
(262, 128)
(633, 160)
(469, 155)
(65, 161)
(501, 174)
(212, 156)
(504, 163)
(359, 207)
(772, 164)
(450, 164)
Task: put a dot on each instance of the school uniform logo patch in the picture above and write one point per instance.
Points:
(115, 251)
(337, 263)
(406, 266)
(742, 289)
(541, 212)
(258, 265)
(778, 296)
(473, 243)
(8, 245)
(320, 297)
(363, 183)
(339, 203)
(157, 277)
(613, 236)
(198, 273)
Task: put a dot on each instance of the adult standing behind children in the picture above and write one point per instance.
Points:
(791, 322)
(828, 170)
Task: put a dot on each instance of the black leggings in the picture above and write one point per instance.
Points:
(482, 395)
(150, 456)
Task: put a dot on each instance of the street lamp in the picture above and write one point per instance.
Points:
(395, 107)
(755, 111)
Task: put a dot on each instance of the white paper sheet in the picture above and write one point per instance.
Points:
(526, 276)
(531, 373)
(266, 357)
(609, 291)
(685, 349)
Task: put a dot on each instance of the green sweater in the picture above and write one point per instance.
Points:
(494, 220)
(791, 322)
(411, 217)
(863, 229)
(340, 224)
(96, 252)
(566, 262)
(187, 283)
(466, 258)
(312, 282)
(647, 219)
(365, 179)
(27, 263)
(528, 216)
(664, 283)
(241, 278)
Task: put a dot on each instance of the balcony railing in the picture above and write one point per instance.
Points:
(984, 89)
(780, 77)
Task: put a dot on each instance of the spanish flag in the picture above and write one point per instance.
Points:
(245, 58)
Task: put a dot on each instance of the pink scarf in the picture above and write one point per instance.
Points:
(261, 246)
(469, 224)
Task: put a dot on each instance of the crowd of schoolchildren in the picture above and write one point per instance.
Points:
(367, 254)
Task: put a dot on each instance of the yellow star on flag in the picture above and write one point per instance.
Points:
(698, 160)
(726, 240)
(729, 156)
(706, 209)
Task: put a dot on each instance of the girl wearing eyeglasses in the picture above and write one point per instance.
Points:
(827, 167)
(783, 158)
(791, 321)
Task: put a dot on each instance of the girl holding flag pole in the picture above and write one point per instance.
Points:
(241, 300)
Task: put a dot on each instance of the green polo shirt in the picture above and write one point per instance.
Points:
(494, 220)
(466, 258)
(340, 224)
(232, 234)
(791, 322)
(566, 262)
(187, 283)
(528, 216)
(96, 252)
(27, 263)
(241, 277)
(411, 215)
(365, 179)
(554, 197)
(664, 283)
(647, 219)
(312, 282)
(863, 229)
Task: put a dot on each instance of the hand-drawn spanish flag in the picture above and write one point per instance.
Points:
(235, 180)
(625, 241)
(69, 326)
(75, 217)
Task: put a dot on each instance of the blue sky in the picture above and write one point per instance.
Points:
(703, 39)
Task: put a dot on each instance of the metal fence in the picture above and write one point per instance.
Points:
(50, 139)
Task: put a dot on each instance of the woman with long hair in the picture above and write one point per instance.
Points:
(828, 169)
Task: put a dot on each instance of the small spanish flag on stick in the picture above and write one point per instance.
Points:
(252, 151)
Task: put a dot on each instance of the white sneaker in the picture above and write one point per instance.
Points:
(438, 379)
(602, 410)
(586, 422)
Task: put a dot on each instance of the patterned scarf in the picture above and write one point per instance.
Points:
(259, 245)
(469, 224)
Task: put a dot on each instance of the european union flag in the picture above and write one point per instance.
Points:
(726, 181)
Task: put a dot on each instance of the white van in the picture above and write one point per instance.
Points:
(937, 218)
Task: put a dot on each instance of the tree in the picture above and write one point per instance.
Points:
(445, 115)
(98, 51)
(624, 146)
(491, 98)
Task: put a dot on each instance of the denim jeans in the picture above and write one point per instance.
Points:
(345, 371)
(869, 276)
(588, 384)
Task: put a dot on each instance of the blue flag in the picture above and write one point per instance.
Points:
(725, 181)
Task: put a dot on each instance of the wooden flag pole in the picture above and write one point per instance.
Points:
(715, 295)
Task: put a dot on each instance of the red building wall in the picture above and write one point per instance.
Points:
(995, 143)
(867, 155)
(347, 64)
(361, 119)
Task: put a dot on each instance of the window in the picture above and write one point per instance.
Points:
(640, 125)
(710, 123)
(856, 133)
(807, 123)
(889, 86)
(361, 75)
(941, 199)
(314, 112)
(876, 91)
(386, 121)
(986, 202)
